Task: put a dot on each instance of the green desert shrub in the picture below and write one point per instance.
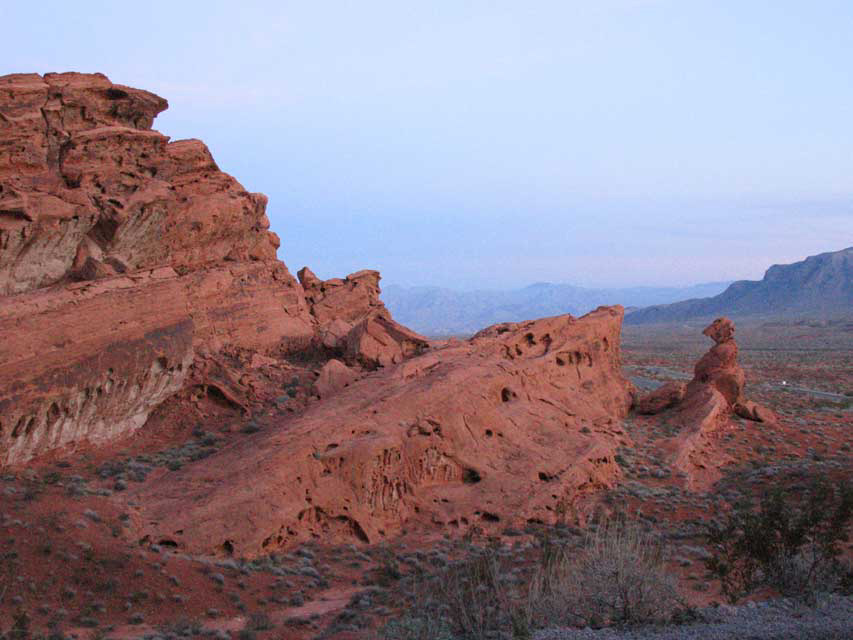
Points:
(789, 541)
(476, 598)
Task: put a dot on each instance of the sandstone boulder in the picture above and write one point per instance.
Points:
(710, 399)
(334, 376)
(662, 398)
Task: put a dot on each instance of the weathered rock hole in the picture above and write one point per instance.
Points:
(489, 517)
(228, 547)
(531, 339)
(168, 542)
(560, 362)
(546, 477)
(489, 433)
(25, 425)
(507, 394)
(103, 232)
(116, 94)
(471, 476)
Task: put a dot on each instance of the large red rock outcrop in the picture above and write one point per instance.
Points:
(516, 424)
(122, 255)
(706, 404)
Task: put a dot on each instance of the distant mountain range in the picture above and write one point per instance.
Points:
(436, 311)
(819, 286)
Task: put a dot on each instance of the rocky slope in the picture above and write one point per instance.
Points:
(819, 286)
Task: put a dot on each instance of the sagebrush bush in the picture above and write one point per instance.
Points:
(617, 576)
(476, 598)
(790, 541)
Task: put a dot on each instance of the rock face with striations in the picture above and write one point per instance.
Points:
(122, 255)
(515, 425)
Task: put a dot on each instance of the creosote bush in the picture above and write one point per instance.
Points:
(790, 541)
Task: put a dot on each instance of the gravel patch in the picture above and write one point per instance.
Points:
(782, 619)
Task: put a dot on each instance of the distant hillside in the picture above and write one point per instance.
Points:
(819, 286)
(436, 311)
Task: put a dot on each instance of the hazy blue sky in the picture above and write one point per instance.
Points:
(470, 144)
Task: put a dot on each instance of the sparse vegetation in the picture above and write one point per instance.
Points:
(614, 575)
(789, 542)
(617, 576)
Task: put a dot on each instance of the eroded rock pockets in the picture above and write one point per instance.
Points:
(706, 404)
(112, 235)
(517, 424)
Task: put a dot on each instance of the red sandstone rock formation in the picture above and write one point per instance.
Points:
(123, 255)
(515, 424)
(333, 377)
(131, 268)
(354, 322)
(706, 404)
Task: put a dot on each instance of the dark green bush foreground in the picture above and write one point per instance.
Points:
(790, 542)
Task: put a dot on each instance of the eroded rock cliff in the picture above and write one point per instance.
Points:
(121, 255)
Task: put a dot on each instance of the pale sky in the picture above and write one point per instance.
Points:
(495, 144)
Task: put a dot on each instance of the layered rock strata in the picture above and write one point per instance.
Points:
(122, 254)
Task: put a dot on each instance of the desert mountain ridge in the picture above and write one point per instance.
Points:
(441, 311)
(820, 286)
